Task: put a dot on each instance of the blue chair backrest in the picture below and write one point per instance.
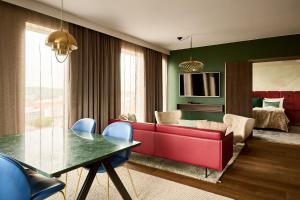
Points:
(14, 183)
(85, 125)
(121, 130)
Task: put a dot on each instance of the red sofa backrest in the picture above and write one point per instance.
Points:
(177, 130)
(138, 125)
(190, 132)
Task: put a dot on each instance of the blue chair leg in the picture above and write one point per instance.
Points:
(131, 181)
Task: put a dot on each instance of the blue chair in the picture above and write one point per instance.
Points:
(18, 183)
(120, 130)
(85, 125)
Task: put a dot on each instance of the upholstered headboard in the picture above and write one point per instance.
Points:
(291, 102)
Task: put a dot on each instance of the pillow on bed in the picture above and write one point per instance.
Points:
(273, 102)
(257, 102)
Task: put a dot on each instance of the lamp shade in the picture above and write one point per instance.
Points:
(191, 66)
(61, 42)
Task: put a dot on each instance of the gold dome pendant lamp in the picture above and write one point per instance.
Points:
(190, 65)
(61, 42)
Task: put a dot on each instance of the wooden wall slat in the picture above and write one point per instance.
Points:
(238, 92)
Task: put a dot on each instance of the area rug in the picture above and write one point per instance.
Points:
(148, 188)
(182, 168)
(277, 136)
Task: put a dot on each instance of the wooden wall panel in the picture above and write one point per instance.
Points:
(238, 89)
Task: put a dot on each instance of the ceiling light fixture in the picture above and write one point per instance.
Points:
(61, 42)
(190, 65)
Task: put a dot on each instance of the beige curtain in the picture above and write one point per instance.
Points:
(12, 63)
(94, 77)
(153, 82)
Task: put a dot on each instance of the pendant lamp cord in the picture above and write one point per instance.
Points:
(191, 47)
(61, 15)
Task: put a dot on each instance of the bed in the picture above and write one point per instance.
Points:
(270, 117)
(291, 103)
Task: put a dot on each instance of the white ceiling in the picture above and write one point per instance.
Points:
(211, 22)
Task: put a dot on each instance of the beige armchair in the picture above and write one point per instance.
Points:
(171, 117)
(240, 126)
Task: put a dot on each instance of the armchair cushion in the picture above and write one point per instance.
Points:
(171, 117)
(211, 125)
(188, 123)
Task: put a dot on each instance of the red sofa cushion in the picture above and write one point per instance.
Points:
(191, 132)
(195, 151)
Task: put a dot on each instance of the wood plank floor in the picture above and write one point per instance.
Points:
(263, 170)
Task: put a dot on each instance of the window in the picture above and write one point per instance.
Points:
(44, 83)
(132, 81)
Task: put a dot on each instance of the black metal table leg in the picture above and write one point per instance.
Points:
(88, 181)
(116, 180)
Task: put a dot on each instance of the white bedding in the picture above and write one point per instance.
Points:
(270, 117)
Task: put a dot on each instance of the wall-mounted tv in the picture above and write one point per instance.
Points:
(204, 84)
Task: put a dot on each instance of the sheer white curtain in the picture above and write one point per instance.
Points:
(45, 95)
(132, 81)
(45, 83)
(165, 81)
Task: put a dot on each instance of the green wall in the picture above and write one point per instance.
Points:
(214, 58)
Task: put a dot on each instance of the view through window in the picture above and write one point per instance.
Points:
(44, 82)
(132, 82)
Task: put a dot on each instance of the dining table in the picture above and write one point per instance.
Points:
(55, 151)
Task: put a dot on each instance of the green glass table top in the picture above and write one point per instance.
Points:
(53, 152)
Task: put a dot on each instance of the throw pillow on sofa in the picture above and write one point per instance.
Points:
(123, 117)
(128, 117)
(131, 117)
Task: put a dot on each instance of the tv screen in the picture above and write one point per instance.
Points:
(205, 84)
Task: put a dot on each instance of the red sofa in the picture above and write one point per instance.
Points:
(205, 148)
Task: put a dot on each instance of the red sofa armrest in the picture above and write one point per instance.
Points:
(227, 149)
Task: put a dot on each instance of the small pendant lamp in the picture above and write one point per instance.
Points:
(61, 42)
(190, 65)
